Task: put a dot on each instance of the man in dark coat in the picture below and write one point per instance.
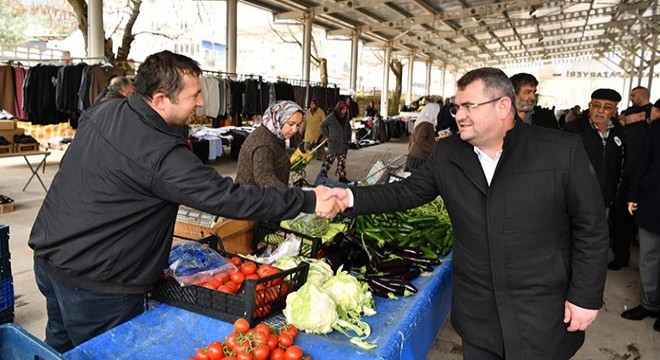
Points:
(526, 97)
(603, 140)
(644, 201)
(530, 248)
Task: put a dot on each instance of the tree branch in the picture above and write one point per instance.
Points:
(155, 33)
(127, 39)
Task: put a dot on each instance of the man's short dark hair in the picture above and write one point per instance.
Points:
(120, 84)
(645, 92)
(496, 83)
(518, 80)
(163, 72)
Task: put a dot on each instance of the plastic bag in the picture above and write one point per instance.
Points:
(289, 247)
(310, 224)
(192, 263)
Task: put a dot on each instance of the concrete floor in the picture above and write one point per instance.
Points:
(610, 337)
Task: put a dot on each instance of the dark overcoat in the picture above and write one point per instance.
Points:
(533, 239)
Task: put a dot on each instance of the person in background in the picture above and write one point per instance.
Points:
(644, 203)
(639, 97)
(422, 140)
(311, 127)
(103, 234)
(337, 128)
(525, 86)
(120, 87)
(263, 160)
(371, 110)
(354, 109)
(623, 228)
(530, 235)
(603, 140)
(573, 114)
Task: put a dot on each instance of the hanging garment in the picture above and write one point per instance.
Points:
(19, 79)
(7, 88)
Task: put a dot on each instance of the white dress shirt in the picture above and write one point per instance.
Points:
(488, 164)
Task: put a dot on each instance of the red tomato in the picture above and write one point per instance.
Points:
(231, 341)
(236, 261)
(248, 268)
(263, 328)
(252, 277)
(285, 340)
(237, 277)
(242, 347)
(290, 329)
(225, 288)
(261, 352)
(221, 277)
(209, 285)
(201, 354)
(215, 351)
(293, 353)
(277, 354)
(241, 325)
(269, 272)
(272, 341)
(245, 356)
(232, 286)
(262, 269)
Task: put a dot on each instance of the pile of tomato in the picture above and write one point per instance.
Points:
(266, 292)
(258, 343)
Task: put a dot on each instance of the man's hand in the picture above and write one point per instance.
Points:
(327, 206)
(579, 318)
(340, 194)
(632, 207)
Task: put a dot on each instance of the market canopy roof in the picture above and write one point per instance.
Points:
(470, 33)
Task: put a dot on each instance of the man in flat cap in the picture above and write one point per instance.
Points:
(603, 140)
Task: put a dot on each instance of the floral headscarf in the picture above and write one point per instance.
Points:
(277, 114)
(341, 105)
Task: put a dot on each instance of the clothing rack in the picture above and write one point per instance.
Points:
(19, 61)
(230, 74)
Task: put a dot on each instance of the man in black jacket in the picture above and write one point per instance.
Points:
(603, 140)
(530, 237)
(104, 231)
(526, 97)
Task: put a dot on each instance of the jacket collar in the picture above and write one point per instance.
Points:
(150, 117)
(466, 159)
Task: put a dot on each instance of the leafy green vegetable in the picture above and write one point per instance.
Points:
(311, 309)
(310, 224)
(350, 294)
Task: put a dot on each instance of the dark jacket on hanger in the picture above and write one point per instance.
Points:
(107, 221)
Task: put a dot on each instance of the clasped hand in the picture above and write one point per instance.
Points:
(330, 201)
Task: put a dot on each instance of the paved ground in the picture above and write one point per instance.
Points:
(610, 337)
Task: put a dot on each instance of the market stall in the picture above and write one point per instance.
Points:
(402, 329)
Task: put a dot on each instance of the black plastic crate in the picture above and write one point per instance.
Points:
(6, 293)
(4, 240)
(271, 234)
(254, 301)
(7, 315)
(5, 266)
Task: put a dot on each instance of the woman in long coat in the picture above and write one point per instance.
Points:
(337, 128)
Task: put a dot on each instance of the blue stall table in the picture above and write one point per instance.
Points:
(402, 329)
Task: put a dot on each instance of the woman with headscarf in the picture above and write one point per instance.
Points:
(422, 140)
(263, 160)
(337, 129)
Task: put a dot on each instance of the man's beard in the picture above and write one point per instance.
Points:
(525, 106)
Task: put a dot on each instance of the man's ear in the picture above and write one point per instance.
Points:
(159, 100)
(504, 105)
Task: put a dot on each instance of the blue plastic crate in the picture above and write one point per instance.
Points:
(16, 343)
(6, 293)
(7, 316)
(4, 239)
(5, 266)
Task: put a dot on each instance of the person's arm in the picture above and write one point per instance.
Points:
(180, 177)
(263, 167)
(304, 123)
(590, 241)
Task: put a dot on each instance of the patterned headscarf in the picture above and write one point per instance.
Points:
(277, 114)
(341, 105)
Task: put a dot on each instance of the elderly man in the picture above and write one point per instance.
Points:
(530, 250)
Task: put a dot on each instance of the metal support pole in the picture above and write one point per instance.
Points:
(631, 75)
(444, 72)
(640, 68)
(429, 64)
(411, 65)
(654, 51)
(307, 53)
(354, 60)
(384, 95)
(95, 33)
(232, 15)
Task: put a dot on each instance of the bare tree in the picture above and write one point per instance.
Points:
(397, 68)
(80, 9)
(321, 63)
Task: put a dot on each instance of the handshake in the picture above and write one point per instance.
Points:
(331, 201)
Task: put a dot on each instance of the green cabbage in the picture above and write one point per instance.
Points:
(350, 294)
(311, 309)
